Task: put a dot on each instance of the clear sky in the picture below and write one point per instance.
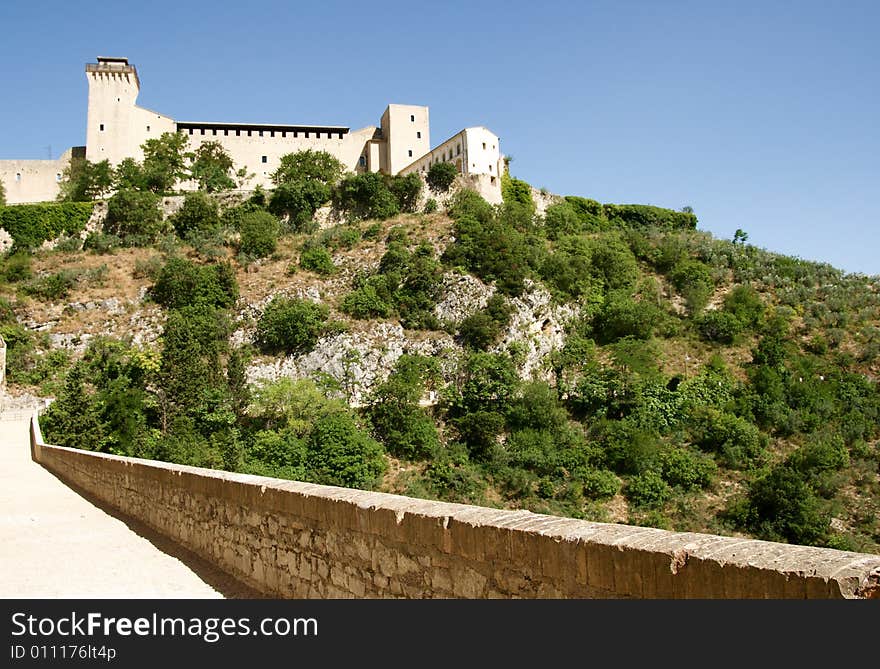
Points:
(761, 115)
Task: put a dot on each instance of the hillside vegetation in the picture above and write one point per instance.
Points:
(599, 361)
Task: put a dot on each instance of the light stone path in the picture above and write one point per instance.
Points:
(55, 543)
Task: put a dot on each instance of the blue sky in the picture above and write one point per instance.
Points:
(760, 115)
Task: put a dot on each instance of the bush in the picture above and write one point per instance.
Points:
(182, 283)
(16, 267)
(340, 453)
(482, 329)
(51, 286)
(643, 216)
(561, 219)
(199, 214)
(599, 483)
(590, 213)
(363, 196)
(516, 190)
(441, 176)
(290, 325)
(738, 443)
(317, 259)
(259, 234)
(372, 299)
(303, 166)
(622, 316)
(719, 326)
(685, 469)
(693, 280)
(134, 216)
(648, 490)
(101, 242)
(299, 201)
(407, 190)
(30, 225)
(469, 204)
(746, 305)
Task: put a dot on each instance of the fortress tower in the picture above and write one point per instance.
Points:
(116, 125)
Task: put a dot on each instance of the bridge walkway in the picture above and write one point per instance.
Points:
(56, 543)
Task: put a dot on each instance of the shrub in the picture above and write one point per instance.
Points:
(259, 234)
(372, 299)
(365, 196)
(134, 216)
(30, 225)
(51, 286)
(622, 316)
(516, 190)
(182, 283)
(562, 219)
(317, 259)
(340, 453)
(599, 483)
(441, 176)
(101, 242)
(681, 467)
(746, 305)
(290, 325)
(648, 490)
(16, 267)
(482, 329)
(643, 216)
(693, 280)
(719, 326)
(469, 204)
(299, 200)
(738, 443)
(407, 190)
(590, 213)
(199, 214)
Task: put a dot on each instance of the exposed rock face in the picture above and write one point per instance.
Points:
(357, 360)
(463, 295)
(537, 326)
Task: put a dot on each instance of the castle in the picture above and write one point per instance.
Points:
(117, 127)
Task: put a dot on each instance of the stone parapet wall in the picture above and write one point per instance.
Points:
(292, 539)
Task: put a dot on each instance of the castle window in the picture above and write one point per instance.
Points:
(363, 161)
(249, 133)
(412, 118)
(490, 168)
(484, 146)
(261, 133)
(101, 127)
(458, 149)
(492, 180)
(283, 133)
(18, 176)
(410, 153)
(307, 135)
(418, 134)
(265, 159)
(190, 131)
(225, 132)
(203, 131)
(271, 133)
(214, 132)
(340, 135)
(58, 176)
(238, 133)
(148, 128)
(295, 133)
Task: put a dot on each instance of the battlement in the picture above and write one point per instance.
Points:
(113, 65)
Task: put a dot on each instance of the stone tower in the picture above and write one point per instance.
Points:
(406, 129)
(113, 91)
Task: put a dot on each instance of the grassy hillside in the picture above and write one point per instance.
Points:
(606, 362)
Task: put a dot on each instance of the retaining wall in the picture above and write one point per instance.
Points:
(291, 539)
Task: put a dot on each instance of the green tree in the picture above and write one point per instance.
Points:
(363, 196)
(84, 181)
(2, 194)
(299, 200)
(212, 167)
(407, 190)
(129, 175)
(308, 165)
(441, 176)
(165, 161)
(199, 214)
(183, 283)
(134, 215)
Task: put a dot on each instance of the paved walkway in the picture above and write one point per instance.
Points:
(56, 544)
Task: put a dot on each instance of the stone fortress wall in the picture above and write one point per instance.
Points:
(116, 128)
(296, 540)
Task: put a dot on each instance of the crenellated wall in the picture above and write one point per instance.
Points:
(291, 539)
